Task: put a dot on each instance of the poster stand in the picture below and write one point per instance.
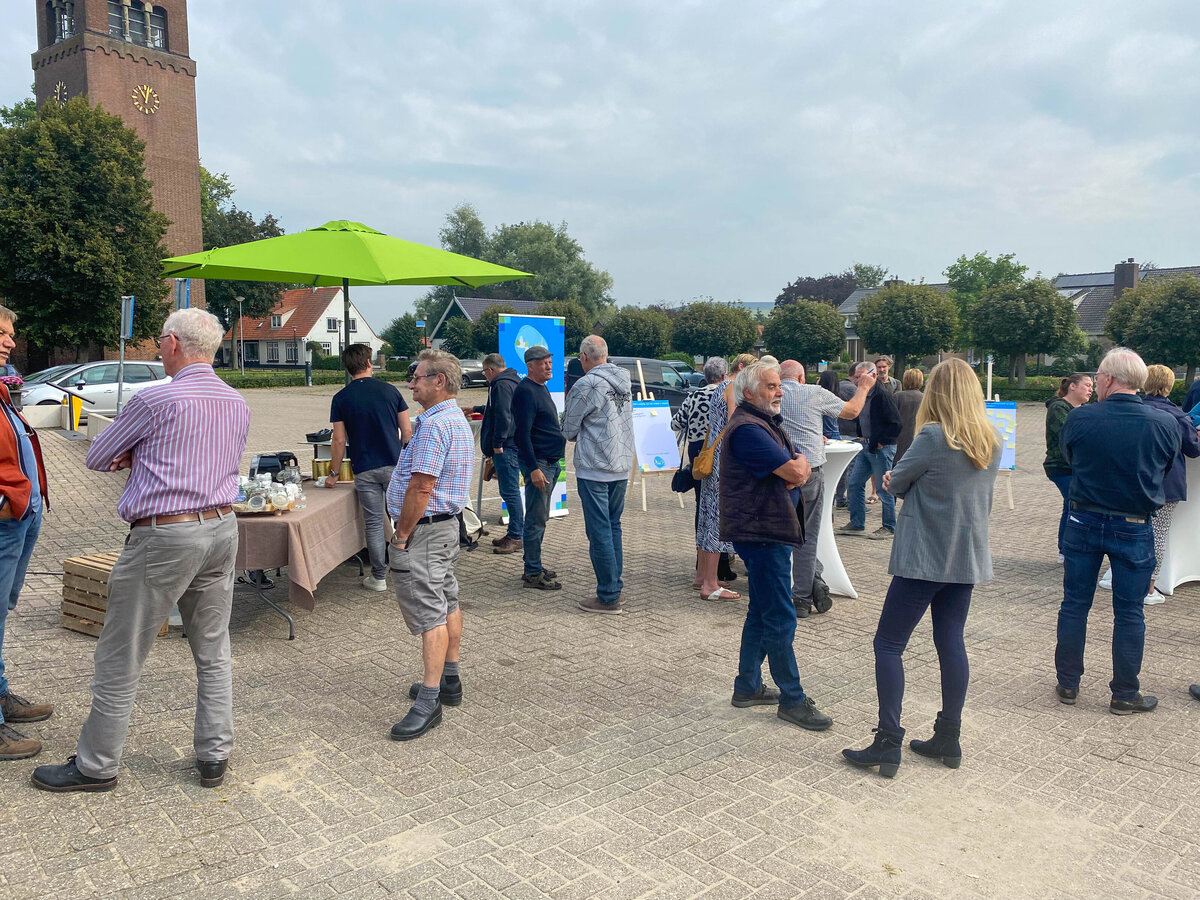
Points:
(644, 395)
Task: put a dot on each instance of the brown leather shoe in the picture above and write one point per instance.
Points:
(14, 745)
(508, 545)
(18, 709)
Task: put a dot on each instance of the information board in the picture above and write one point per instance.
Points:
(653, 440)
(1003, 415)
(519, 333)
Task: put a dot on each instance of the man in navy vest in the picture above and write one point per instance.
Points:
(762, 515)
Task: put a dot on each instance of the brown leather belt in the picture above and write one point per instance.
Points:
(176, 518)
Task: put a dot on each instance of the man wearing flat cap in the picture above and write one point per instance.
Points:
(540, 448)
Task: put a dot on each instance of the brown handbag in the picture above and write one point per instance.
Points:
(489, 469)
(702, 465)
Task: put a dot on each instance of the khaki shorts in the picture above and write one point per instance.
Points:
(423, 575)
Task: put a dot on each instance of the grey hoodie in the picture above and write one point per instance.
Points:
(599, 418)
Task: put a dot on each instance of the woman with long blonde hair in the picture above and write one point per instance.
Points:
(940, 553)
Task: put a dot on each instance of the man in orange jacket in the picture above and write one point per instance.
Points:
(22, 499)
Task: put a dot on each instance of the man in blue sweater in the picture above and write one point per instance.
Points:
(540, 448)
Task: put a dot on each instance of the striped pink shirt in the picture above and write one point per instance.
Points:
(187, 439)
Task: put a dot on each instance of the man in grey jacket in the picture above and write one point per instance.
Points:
(599, 418)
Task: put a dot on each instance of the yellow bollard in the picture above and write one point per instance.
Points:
(76, 407)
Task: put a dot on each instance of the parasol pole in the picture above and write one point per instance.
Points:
(346, 318)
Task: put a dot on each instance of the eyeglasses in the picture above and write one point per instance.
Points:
(162, 337)
(419, 377)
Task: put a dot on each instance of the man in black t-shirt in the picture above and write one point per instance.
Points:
(373, 416)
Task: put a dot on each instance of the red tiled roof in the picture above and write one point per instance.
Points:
(307, 306)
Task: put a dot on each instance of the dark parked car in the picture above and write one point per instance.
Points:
(664, 379)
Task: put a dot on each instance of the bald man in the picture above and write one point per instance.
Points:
(802, 407)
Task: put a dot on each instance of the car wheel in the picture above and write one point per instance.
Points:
(49, 403)
(466, 381)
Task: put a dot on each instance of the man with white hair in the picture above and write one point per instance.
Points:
(182, 443)
(1118, 451)
(761, 477)
(802, 407)
(599, 418)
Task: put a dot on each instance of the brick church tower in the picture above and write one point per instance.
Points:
(131, 57)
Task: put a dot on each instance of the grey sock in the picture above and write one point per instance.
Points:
(450, 672)
(427, 698)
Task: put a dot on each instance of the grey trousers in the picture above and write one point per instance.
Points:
(189, 563)
(805, 565)
(371, 487)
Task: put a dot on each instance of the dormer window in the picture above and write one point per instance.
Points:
(60, 20)
(276, 321)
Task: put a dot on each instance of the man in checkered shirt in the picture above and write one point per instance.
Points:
(428, 490)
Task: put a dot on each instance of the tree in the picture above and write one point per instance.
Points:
(868, 276)
(222, 225)
(77, 228)
(638, 332)
(807, 332)
(22, 112)
(404, 335)
(576, 319)
(1165, 325)
(543, 249)
(969, 278)
(831, 289)
(1120, 314)
(1029, 317)
(458, 336)
(486, 331)
(907, 320)
(706, 328)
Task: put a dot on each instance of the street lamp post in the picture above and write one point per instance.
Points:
(296, 345)
(241, 338)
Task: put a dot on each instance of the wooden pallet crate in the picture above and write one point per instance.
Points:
(85, 593)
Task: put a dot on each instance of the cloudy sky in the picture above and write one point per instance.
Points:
(711, 148)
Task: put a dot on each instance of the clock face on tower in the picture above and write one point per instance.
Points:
(145, 99)
(60, 93)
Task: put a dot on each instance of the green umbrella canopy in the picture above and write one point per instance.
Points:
(338, 253)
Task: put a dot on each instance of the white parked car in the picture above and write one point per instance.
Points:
(95, 381)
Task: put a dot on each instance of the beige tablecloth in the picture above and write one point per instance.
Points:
(310, 542)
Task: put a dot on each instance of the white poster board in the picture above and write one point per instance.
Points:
(653, 440)
(1003, 415)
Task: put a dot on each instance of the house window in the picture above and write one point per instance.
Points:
(325, 348)
(353, 325)
(276, 321)
(292, 353)
(272, 351)
(251, 351)
(331, 324)
(60, 20)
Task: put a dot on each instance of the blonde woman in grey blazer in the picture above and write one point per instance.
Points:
(939, 555)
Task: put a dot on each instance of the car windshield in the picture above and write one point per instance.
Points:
(47, 374)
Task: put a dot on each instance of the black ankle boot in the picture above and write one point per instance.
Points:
(883, 752)
(943, 745)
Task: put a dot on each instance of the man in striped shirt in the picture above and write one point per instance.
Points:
(183, 444)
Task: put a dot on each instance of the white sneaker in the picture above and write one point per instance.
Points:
(1061, 559)
(1106, 581)
(1153, 598)
(371, 583)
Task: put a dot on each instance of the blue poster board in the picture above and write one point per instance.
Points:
(1003, 414)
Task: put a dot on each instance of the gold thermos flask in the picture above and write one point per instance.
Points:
(321, 468)
(345, 473)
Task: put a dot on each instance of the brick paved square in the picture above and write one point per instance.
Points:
(599, 756)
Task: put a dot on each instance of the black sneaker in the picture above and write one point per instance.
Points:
(1194, 690)
(765, 697)
(803, 608)
(806, 715)
(67, 777)
(850, 529)
(1066, 695)
(822, 599)
(1138, 704)
(542, 581)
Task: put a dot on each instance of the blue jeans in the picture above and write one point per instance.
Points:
(537, 513)
(508, 476)
(1063, 483)
(603, 502)
(770, 626)
(1130, 548)
(17, 539)
(870, 463)
(904, 607)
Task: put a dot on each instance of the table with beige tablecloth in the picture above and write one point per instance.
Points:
(310, 542)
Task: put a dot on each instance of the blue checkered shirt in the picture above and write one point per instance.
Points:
(802, 407)
(442, 445)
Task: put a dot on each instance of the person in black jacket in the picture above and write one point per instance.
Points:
(497, 441)
(879, 424)
(540, 446)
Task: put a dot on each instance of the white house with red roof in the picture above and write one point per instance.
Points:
(300, 316)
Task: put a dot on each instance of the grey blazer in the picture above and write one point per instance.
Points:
(942, 528)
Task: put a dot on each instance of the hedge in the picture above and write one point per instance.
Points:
(291, 378)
